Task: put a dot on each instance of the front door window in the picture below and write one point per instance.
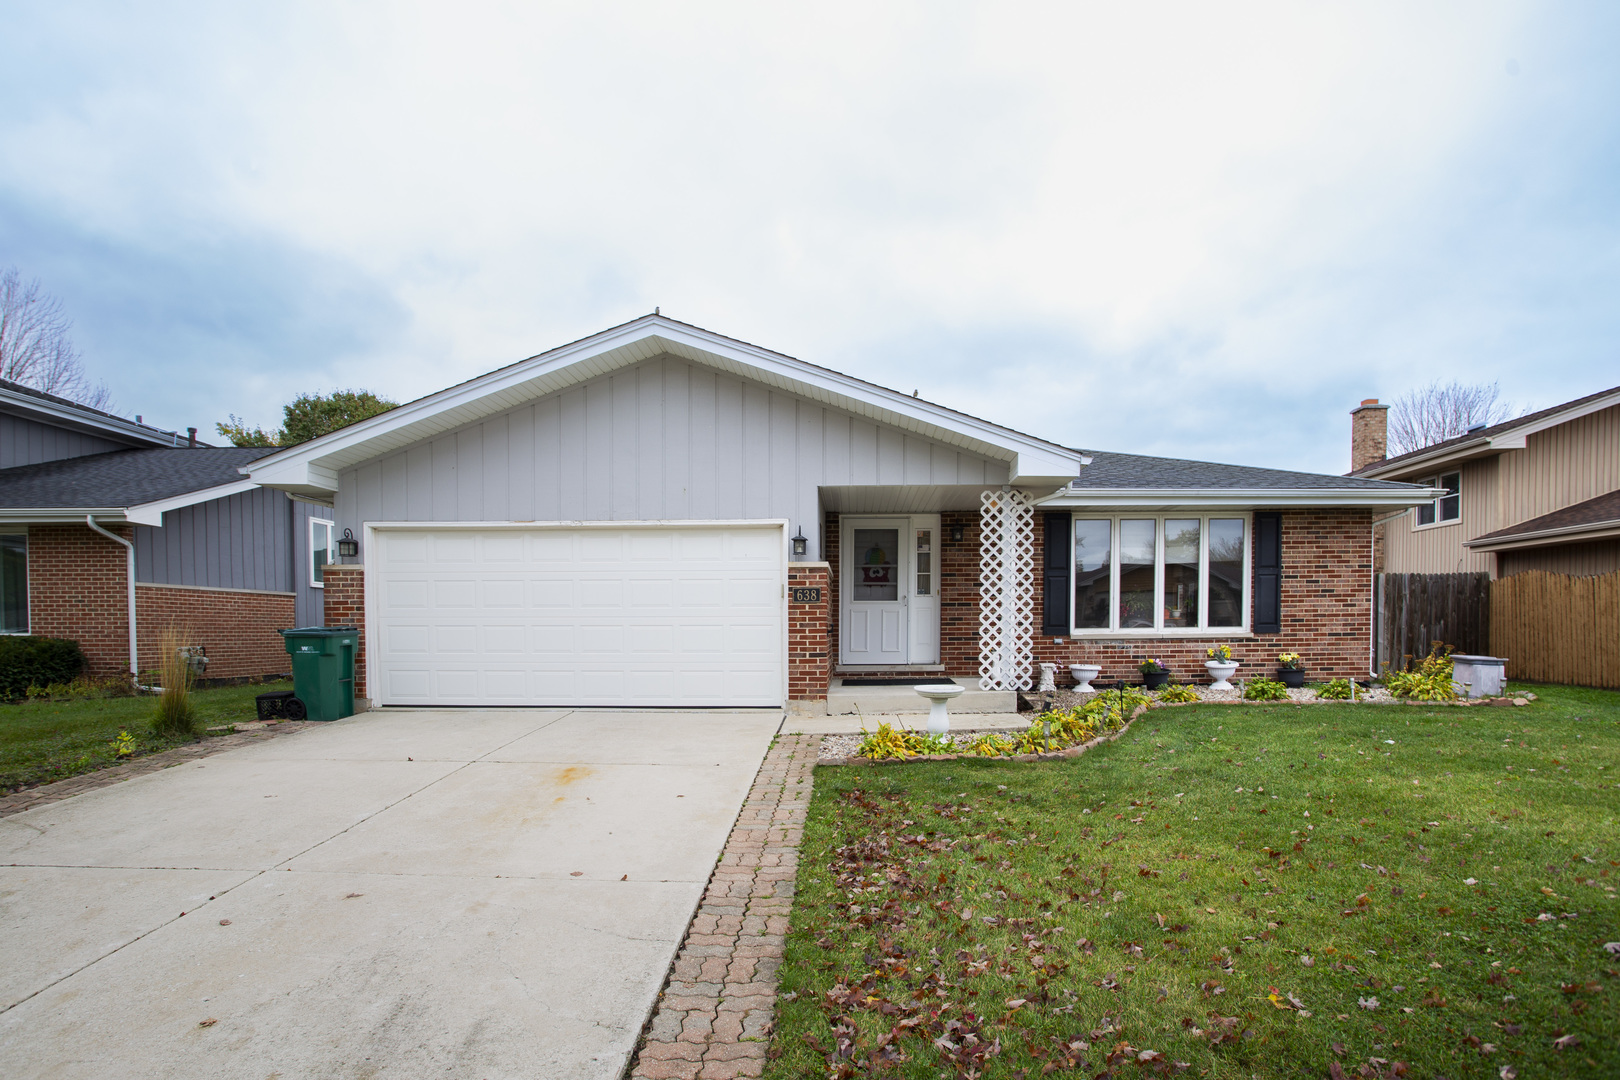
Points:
(877, 565)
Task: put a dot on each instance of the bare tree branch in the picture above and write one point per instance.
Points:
(35, 349)
(1442, 411)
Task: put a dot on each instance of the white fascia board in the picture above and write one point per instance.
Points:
(642, 339)
(1516, 438)
(1241, 499)
(304, 478)
(152, 513)
(1034, 469)
(79, 418)
(1598, 530)
(55, 515)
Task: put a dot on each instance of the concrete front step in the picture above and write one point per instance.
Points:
(872, 700)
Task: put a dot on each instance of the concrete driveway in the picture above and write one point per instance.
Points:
(476, 894)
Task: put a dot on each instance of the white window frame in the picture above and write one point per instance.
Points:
(1158, 629)
(1438, 522)
(28, 614)
(331, 529)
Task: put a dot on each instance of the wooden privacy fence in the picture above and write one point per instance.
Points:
(1558, 629)
(1413, 610)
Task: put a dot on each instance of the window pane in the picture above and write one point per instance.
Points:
(1181, 572)
(1136, 574)
(1092, 557)
(13, 584)
(925, 562)
(1451, 502)
(877, 567)
(320, 546)
(1425, 514)
(1226, 571)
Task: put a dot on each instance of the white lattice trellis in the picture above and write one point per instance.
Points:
(1006, 589)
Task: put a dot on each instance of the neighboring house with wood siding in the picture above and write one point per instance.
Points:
(1539, 492)
(86, 497)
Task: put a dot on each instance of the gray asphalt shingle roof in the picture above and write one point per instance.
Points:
(1109, 471)
(124, 477)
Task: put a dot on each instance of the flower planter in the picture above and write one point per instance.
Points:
(1221, 672)
(1156, 680)
(1293, 678)
(1083, 674)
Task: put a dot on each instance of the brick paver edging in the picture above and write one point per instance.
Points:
(29, 798)
(713, 1019)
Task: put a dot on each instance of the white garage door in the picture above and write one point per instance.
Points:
(631, 615)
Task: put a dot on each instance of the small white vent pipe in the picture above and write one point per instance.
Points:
(129, 577)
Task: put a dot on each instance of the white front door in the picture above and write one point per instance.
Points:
(872, 590)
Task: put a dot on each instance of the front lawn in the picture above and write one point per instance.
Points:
(42, 741)
(1273, 891)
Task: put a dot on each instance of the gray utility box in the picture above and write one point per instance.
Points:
(1477, 676)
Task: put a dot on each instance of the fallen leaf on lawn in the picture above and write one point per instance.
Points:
(1210, 910)
(1564, 1042)
(1338, 1048)
(1612, 948)
(1017, 1003)
(1470, 881)
(1507, 1072)
(1367, 1003)
(967, 913)
(1306, 961)
(1486, 1049)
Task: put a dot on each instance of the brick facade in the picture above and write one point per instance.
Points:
(809, 664)
(345, 605)
(78, 589)
(1326, 607)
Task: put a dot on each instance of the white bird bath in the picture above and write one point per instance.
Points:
(1083, 674)
(938, 694)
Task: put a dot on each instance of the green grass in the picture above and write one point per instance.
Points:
(42, 741)
(1059, 912)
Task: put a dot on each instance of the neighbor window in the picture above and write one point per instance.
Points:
(1447, 507)
(320, 549)
(1148, 574)
(13, 584)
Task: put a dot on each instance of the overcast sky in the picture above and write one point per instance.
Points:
(1200, 230)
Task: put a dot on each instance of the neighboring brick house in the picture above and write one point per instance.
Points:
(213, 554)
(658, 515)
(1539, 492)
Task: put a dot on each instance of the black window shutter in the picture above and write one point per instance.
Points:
(1055, 574)
(1268, 573)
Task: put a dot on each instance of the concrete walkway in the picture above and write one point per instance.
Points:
(450, 893)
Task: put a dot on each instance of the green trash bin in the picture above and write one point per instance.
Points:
(323, 669)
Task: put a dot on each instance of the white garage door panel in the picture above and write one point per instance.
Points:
(598, 616)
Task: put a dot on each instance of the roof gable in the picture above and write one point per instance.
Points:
(312, 468)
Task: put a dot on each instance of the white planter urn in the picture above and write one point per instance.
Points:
(1083, 674)
(1221, 671)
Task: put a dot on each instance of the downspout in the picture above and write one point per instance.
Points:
(1372, 641)
(129, 577)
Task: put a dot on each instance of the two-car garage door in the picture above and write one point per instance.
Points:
(613, 615)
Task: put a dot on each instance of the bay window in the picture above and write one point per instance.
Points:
(1149, 574)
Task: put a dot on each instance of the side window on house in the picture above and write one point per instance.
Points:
(13, 584)
(320, 549)
(1447, 507)
(1152, 574)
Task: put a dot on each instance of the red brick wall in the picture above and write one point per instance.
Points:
(808, 661)
(1326, 612)
(237, 629)
(77, 589)
(345, 605)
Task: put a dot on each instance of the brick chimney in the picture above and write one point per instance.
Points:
(1369, 433)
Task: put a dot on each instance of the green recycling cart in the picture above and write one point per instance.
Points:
(323, 669)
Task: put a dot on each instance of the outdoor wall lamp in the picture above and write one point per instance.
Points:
(348, 546)
(956, 534)
(800, 544)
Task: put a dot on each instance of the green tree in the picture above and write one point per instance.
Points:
(309, 416)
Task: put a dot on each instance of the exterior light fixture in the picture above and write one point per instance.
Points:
(956, 534)
(800, 544)
(348, 547)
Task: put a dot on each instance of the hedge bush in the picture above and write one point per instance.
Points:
(37, 661)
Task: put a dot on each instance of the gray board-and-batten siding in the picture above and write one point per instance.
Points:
(666, 439)
(255, 539)
(29, 442)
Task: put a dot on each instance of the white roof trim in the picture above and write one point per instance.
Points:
(1240, 498)
(152, 513)
(86, 419)
(311, 468)
(1592, 530)
(1515, 438)
(50, 515)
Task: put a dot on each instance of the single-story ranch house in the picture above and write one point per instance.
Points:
(659, 515)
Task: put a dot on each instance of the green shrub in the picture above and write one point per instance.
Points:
(1179, 693)
(1430, 682)
(27, 661)
(1337, 690)
(885, 742)
(1264, 690)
